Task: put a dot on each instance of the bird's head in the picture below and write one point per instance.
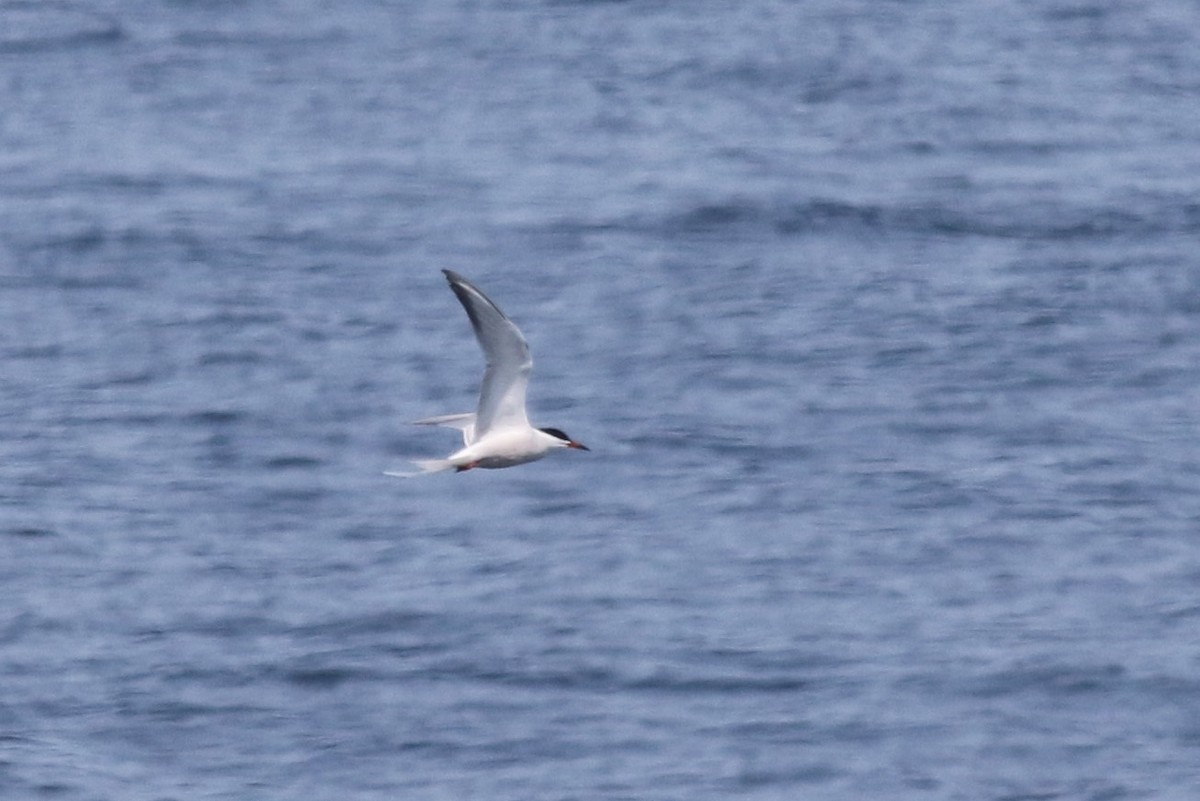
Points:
(562, 440)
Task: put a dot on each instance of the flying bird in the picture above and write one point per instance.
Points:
(498, 433)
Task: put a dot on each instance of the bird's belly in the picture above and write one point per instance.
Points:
(506, 450)
(493, 462)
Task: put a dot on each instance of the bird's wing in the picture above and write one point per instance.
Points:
(463, 422)
(502, 396)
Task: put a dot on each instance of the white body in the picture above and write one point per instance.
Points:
(505, 448)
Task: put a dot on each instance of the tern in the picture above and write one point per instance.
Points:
(498, 434)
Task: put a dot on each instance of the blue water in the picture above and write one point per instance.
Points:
(882, 320)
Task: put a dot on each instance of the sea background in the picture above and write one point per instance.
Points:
(882, 321)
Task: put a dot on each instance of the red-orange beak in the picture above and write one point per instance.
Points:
(579, 446)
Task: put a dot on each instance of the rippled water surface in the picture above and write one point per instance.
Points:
(882, 321)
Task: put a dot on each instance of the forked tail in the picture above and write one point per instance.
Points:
(426, 466)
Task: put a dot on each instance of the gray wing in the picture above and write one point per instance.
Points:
(463, 422)
(502, 396)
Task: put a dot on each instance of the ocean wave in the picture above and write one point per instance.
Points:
(39, 26)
